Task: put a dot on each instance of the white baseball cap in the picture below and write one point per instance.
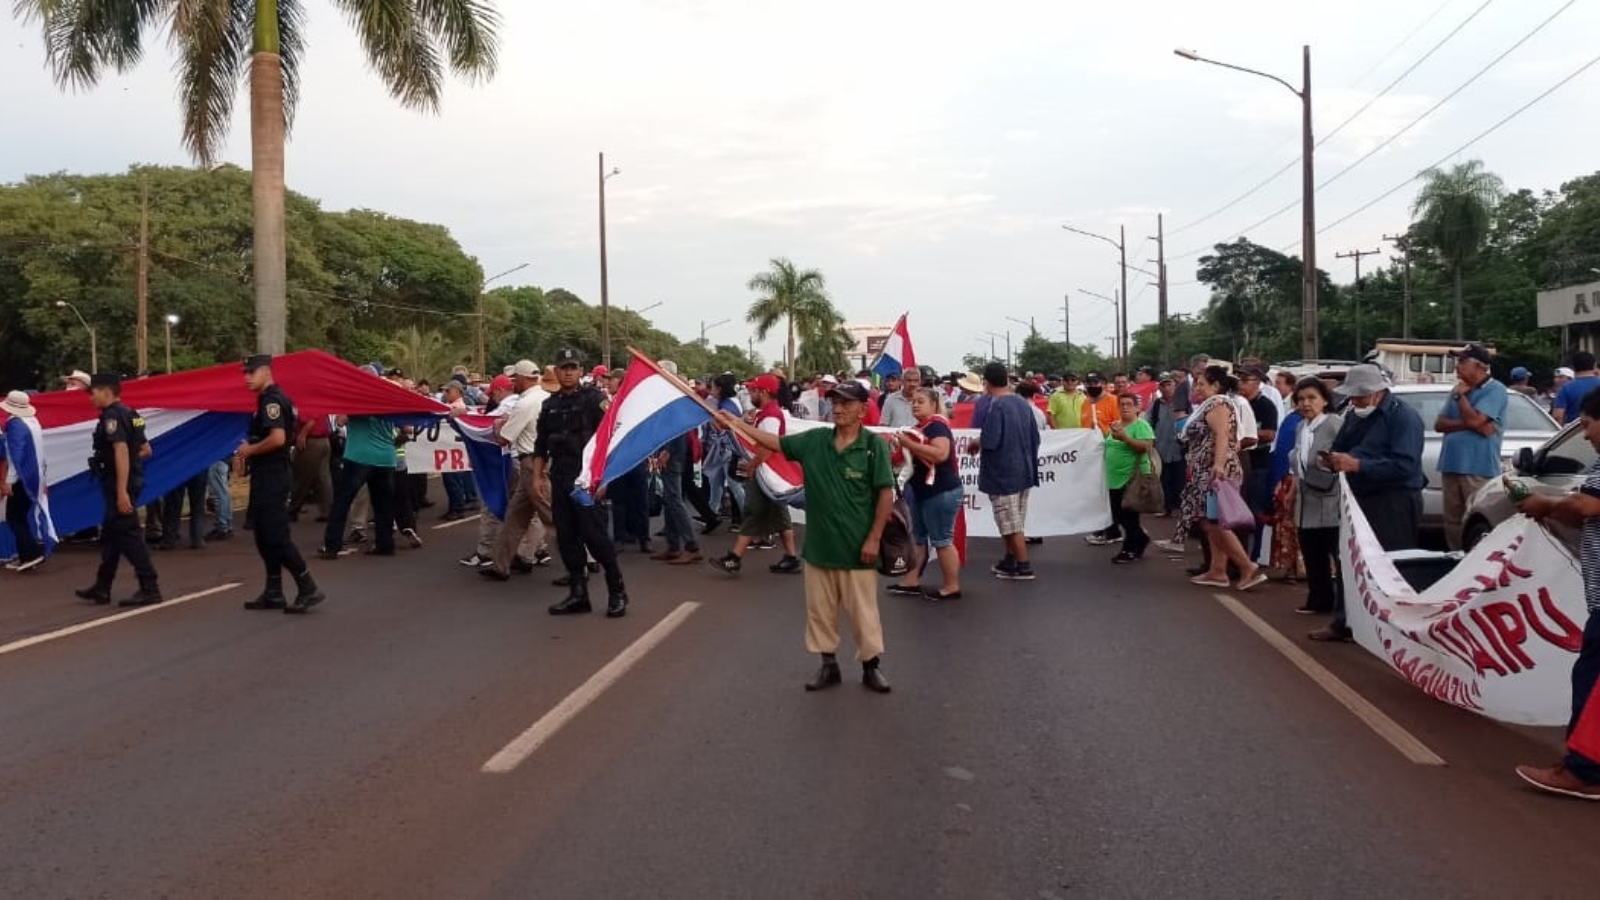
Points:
(1565, 372)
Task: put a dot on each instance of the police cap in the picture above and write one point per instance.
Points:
(106, 380)
(568, 356)
(252, 363)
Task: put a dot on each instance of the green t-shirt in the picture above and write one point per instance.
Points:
(1120, 458)
(841, 493)
(1066, 409)
(369, 440)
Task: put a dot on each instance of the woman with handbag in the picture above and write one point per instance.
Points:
(1317, 502)
(937, 494)
(1212, 435)
(1135, 486)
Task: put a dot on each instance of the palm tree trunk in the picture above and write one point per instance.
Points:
(1461, 326)
(790, 361)
(267, 129)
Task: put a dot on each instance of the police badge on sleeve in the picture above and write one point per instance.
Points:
(274, 411)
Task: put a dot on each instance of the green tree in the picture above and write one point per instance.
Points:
(795, 296)
(426, 354)
(1453, 213)
(409, 43)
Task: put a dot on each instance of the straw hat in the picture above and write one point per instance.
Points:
(18, 404)
(971, 383)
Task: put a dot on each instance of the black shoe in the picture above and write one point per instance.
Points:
(1034, 541)
(167, 544)
(309, 594)
(1021, 572)
(875, 680)
(935, 594)
(728, 563)
(521, 567)
(711, 526)
(217, 534)
(327, 553)
(378, 551)
(789, 565)
(594, 568)
(617, 605)
(563, 581)
(271, 597)
(1124, 557)
(99, 595)
(577, 602)
(1004, 567)
(827, 676)
(904, 590)
(454, 515)
(145, 597)
(494, 574)
(541, 557)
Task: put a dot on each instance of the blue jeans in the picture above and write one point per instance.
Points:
(680, 534)
(933, 518)
(1585, 672)
(217, 483)
(717, 481)
(459, 490)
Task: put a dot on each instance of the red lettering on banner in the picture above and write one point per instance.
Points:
(1440, 632)
(439, 457)
(1438, 683)
(1481, 660)
(1493, 638)
(1570, 636)
(458, 459)
(1512, 631)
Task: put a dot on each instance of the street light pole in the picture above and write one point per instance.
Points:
(1120, 326)
(704, 328)
(94, 349)
(171, 321)
(482, 351)
(1308, 205)
(141, 328)
(605, 287)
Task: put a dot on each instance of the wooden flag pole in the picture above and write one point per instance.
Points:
(676, 382)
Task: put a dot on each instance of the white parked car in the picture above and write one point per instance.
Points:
(1556, 467)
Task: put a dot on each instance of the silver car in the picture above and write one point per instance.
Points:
(1527, 425)
(1555, 467)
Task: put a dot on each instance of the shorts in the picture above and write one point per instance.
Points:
(763, 516)
(933, 518)
(1010, 512)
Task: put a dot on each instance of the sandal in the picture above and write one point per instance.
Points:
(1254, 581)
(1203, 581)
(905, 590)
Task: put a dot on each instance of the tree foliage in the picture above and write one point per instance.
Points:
(1453, 214)
(799, 299)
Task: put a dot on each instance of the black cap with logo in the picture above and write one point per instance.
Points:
(252, 363)
(849, 390)
(567, 356)
(1474, 351)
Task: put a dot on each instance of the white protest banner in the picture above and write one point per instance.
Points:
(437, 448)
(1497, 635)
(1071, 497)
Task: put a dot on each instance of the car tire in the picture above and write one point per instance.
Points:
(1474, 531)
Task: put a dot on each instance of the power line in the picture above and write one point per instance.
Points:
(1403, 41)
(1480, 136)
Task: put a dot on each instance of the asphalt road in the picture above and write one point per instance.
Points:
(1099, 733)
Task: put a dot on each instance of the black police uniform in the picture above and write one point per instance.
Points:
(566, 423)
(271, 480)
(120, 535)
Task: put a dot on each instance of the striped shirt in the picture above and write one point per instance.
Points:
(1589, 552)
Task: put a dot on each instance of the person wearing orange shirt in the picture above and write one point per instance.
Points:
(1100, 410)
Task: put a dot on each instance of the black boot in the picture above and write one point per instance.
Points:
(617, 604)
(827, 676)
(873, 677)
(577, 601)
(149, 595)
(309, 594)
(100, 594)
(271, 596)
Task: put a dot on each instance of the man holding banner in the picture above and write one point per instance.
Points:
(1578, 774)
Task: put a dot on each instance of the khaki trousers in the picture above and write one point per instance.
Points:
(313, 481)
(853, 591)
(1457, 491)
(525, 517)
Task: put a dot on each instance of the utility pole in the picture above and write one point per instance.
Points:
(605, 286)
(142, 320)
(1356, 255)
(1308, 221)
(1161, 288)
(1122, 302)
(1066, 324)
(1403, 244)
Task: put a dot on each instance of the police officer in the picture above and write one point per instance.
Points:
(566, 423)
(271, 478)
(118, 463)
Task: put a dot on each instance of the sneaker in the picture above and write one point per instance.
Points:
(1557, 779)
(1124, 558)
(1004, 567)
(12, 565)
(217, 534)
(728, 563)
(474, 561)
(541, 557)
(1096, 540)
(764, 544)
(1332, 634)
(327, 553)
(30, 564)
(411, 536)
(357, 536)
(1019, 572)
(789, 565)
(1171, 546)
(687, 558)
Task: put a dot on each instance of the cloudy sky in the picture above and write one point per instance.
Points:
(921, 154)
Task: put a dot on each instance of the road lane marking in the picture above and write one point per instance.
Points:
(81, 627)
(455, 523)
(525, 744)
(1374, 718)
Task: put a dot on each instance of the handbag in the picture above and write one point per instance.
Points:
(895, 550)
(1232, 512)
(1143, 494)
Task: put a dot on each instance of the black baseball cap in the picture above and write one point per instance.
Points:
(849, 390)
(1094, 378)
(106, 380)
(252, 363)
(1474, 351)
(568, 356)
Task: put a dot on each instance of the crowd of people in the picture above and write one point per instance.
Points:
(1243, 457)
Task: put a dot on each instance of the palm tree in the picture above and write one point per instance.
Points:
(798, 296)
(426, 354)
(222, 42)
(1453, 213)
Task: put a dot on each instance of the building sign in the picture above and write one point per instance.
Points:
(1569, 305)
(869, 340)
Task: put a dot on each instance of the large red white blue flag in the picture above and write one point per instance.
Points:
(649, 410)
(897, 354)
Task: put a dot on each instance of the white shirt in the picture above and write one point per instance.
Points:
(1247, 421)
(503, 409)
(519, 430)
(1303, 442)
(810, 403)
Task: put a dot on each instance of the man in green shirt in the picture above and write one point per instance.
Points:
(849, 496)
(1065, 409)
(369, 461)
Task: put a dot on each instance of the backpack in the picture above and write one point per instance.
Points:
(895, 549)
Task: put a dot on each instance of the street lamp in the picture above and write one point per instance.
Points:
(605, 286)
(704, 328)
(1121, 244)
(640, 312)
(171, 321)
(993, 337)
(482, 351)
(94, 351)
(1308, 214)
(1029, 323)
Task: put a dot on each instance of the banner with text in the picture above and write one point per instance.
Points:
(437, 448)
(1071, 497)
(1497, 635)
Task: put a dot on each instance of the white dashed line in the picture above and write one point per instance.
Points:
(81, 627)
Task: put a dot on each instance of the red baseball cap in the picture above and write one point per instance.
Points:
(765, 383)
(598, 372)
(501, 383)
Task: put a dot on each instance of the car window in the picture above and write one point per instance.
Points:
(1522, 414)
(1570, 455)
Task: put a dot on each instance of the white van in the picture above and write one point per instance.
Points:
(1419, 361)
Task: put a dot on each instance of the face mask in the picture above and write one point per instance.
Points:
(1095, 391)
(1361, 412)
